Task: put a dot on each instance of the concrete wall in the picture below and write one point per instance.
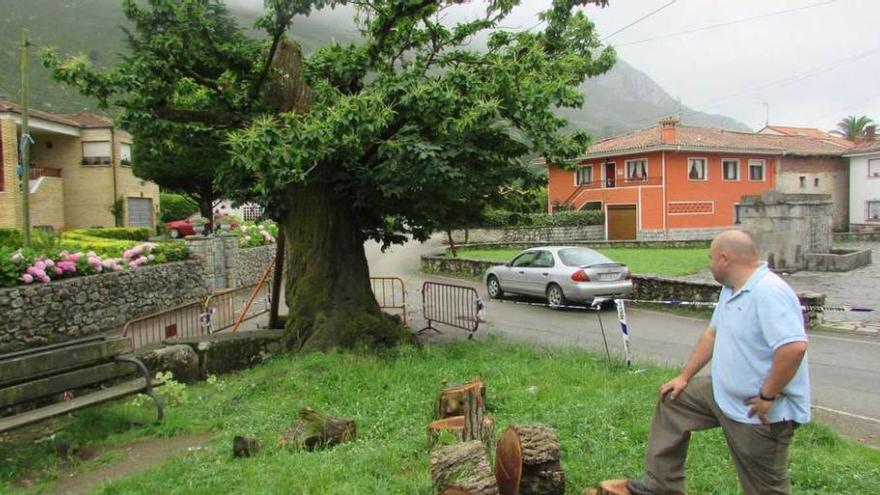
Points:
(9, 194)
(788, 226)
(819, 175)
(41, 314)
(531, 234)
(863, 188)
(703, 234)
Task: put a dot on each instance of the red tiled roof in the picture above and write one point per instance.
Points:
(709, 139)
(90, 120)
(10, 107)
(810, 132)
(864, 147)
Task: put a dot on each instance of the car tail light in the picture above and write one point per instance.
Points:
(580, 276)
(627, 275)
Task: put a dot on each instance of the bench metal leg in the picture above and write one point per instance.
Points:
(149, 388)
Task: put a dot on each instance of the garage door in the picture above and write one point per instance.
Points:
(621, 223)
(140, 212)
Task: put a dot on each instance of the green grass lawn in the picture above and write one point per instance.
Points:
(600, 412)
(668, 262)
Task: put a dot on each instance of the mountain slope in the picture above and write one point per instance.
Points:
(624, 99)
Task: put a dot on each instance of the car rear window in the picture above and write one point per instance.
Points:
(582, 257)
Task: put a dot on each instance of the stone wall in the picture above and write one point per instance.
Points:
(788, 226)
(867, 236)
(838, 260)
(531, 234)
(696, 234)
(250, 265)
(592, 244)
(41, 314)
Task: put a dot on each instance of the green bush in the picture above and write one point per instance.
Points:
(121, 233)
(175, 207)
(501, 218)
(76, 240)
(10, 237)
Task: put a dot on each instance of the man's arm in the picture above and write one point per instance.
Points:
(701, 355)
(786, 361)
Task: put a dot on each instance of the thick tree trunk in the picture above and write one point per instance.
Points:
(274, 311)
(206, 210)
(329, 298)
(462, 469)
(527, 461)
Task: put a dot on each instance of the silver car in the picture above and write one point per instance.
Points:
(562, 274)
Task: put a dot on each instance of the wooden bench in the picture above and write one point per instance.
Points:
(42, 375)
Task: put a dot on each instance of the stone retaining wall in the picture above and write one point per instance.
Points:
(250, 265)
(531, 234)
(41, 314)
(701, 234)
(856, 236)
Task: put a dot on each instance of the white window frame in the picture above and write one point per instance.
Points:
(724, 170)
(868, 217)
(125, 153)
(251, 213)
(763, 164)
(875, 164)
(578, 174)
(627, 163)
(90, 154)
(705, 169)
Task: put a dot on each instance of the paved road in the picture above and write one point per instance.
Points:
(845, 370)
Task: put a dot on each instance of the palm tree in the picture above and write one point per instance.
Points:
(852, 127)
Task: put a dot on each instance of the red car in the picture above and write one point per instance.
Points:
(180, 228)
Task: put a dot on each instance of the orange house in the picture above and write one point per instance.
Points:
(675, 182)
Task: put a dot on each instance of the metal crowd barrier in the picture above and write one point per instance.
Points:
(180, 321)
(390, 293)
(226, 306)
(454, 305)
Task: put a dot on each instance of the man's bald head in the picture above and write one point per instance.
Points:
(738, 246)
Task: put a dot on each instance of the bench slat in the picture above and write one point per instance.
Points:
(55, 384)
(28, 367)
(60, 408)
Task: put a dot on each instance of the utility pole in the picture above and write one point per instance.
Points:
(25, 143)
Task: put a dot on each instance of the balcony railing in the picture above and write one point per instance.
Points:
(612, 183)
(37, 172)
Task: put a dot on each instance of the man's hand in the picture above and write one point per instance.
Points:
(760, 408)
(673, 387)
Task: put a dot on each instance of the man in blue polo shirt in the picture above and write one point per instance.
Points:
(758, 391)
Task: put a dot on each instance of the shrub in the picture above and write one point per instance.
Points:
(10, 237)
(123, 233)
(175, 207)
(253, 234)
(501, 218)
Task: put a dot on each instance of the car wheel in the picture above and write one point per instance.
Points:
(174, 233)
(494, 287)
(555, 296)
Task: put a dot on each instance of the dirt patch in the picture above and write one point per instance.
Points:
(137, 457)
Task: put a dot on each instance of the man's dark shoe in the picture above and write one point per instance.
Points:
(636, 487)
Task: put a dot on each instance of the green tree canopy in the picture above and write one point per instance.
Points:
(404, 133)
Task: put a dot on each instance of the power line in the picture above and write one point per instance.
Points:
(868, 98)
(640, 19)
(726, 23)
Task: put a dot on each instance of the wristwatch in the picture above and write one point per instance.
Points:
(764, 398)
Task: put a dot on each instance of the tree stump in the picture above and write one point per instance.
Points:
(462, 468)
(316, 430)
(451, 400)
(455, 426)
(245, 447)
(527, 461)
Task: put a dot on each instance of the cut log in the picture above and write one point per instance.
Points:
(315, 430)
(245, 447)
(456, 426)
(450, 401)
(462, 468)
(527, 461)
(609, 487)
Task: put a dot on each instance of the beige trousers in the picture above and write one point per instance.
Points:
(760, 452)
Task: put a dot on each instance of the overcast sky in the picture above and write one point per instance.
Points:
(812, 62)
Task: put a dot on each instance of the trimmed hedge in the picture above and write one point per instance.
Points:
(10, 237)
(120, 233)
(559, 219)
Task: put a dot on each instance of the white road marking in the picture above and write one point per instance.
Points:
(844, 413)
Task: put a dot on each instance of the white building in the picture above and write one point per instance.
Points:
(247, 212)
(864, 185)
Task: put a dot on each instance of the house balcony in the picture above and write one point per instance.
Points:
(40, 171)
(611, 183)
